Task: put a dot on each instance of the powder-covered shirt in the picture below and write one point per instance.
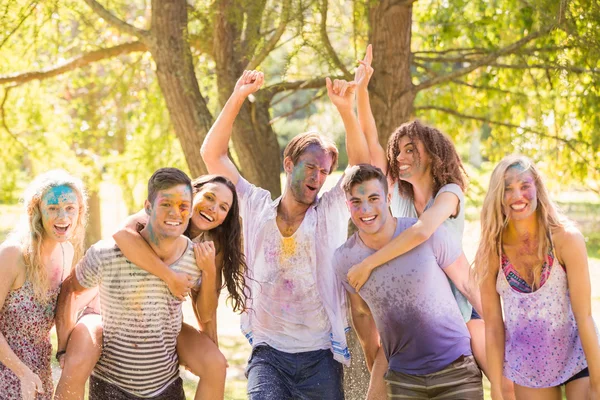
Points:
(420, 325)
(542, 343)
(289, 312)
(405, 207)
(326, 229)
(141, 319)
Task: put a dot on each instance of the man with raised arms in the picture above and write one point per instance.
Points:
(140, 317)
(296, 322)
(407, 302)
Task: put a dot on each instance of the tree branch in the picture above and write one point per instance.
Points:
(118, 23)
(5, 125)
(569, 68)
(32, 8)
(296, 109)
(485, 60)
(315, 83)
(325, 37)
(81, 61)
(568, 142)
(274, 39)
(484, 87)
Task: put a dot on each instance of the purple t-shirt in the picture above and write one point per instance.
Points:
(421, 328)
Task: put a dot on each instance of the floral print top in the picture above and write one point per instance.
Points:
(25, 324)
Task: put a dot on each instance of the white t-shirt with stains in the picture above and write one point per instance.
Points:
(289, 312)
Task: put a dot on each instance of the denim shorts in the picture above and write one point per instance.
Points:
(277, 375)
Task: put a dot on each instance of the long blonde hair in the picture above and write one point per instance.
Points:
(494, 220)
(30, 234)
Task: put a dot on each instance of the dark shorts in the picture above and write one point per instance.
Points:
(277, 375)
(584, 373)
(459, 380)
(475, 315)
(102, 390)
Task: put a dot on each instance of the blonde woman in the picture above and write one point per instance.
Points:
(533, 258)
(34, 261)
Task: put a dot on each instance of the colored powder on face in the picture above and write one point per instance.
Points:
(58, 194)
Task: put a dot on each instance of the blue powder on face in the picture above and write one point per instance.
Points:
(57, 193)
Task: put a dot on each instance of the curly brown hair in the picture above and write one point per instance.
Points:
(446, 166)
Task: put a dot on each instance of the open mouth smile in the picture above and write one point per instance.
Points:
(368, 219)
(62, 228)
(206, 216)
(518, 206)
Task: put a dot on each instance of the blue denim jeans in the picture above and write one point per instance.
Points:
(276, 375)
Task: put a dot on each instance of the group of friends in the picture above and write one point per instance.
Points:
(292, 272)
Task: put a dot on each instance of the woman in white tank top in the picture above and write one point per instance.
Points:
(531, 256)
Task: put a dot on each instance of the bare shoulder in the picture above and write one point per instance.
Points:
(567, 236)
(569, 242)
(11, 261)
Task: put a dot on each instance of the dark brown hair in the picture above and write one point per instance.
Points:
(228, 240)
(446, 166)
(361, 173)
(166, 178)
(298, 145)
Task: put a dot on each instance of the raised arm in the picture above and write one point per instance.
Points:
(445, 205)
(494, 329)
(459, 273)
(572, 253)
(341, 94)
(216, 144)
(13, 269)
(139, 252)
(366, 330)
(366, 121)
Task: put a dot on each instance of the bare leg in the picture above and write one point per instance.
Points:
(83, 352)
(477, 330)
(578, 389)
(202, 357)
(525, 393)
(377, 389)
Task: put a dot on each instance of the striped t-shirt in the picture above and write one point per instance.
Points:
(140, 319)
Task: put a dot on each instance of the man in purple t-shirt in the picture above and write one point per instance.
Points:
(407, 304)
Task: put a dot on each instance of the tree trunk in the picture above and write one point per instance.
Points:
(93, 231)
(254, 141)
(391, 86)
(175, 71)
(392, 100)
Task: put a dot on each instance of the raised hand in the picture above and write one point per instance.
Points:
(358, 276)
(31, 385)
(364, 71)
(205, 257)
(249, 82)
(341, 93)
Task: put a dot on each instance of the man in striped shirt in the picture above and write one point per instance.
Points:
(140, 317)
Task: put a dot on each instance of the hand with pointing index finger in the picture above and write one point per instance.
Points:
(364, 71)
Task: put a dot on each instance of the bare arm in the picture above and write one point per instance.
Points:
(572, 253)
(445, 205)
(341, 94)
(366, 330)
(365, 115)
(12, 270)
(208, 298)
(494, 330)
(216, 144)
(66, 309)
(138, 251)
(459, 273)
